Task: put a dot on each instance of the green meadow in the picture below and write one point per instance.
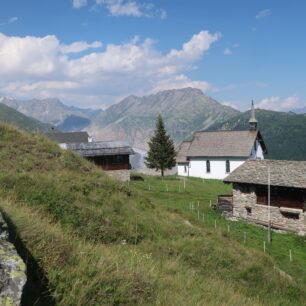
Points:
(90, 240)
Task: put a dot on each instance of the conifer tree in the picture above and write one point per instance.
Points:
(161, 154)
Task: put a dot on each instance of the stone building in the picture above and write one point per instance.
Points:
(287, 193)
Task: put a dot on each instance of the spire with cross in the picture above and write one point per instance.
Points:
(253, 122)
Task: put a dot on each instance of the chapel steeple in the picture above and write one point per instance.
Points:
(253, 122)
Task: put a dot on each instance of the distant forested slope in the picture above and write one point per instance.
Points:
(10, 115)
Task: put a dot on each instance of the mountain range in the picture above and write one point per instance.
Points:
(51, 111)
(10, 115)
(184, 111)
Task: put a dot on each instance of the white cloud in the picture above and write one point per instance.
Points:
(80, 46)
(195, 47)
(43, 67)
(163, 14)
(279, 104)
(132, 8)
(231, 104)
(122, 8)
(79, 3)
(11, 20)
(263, 13)
(181, 81)
(227, 51)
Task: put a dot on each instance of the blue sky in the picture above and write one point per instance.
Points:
(93, 53)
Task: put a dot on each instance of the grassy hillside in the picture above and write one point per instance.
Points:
(101, 242)
(283, 133)
(9, 115)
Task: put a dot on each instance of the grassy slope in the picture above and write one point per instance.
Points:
(101, 242)
(10, 115)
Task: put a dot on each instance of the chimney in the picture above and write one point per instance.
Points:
(253, 122)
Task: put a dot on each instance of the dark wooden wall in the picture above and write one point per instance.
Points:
(281, 196)
(113, 162)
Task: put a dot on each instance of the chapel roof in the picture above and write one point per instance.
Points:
(223, 144)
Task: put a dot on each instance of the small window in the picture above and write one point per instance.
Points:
(290, 215)
(227, 166)
(185, 169)
(249, 211)
(208, 166)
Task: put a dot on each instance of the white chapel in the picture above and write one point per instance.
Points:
(214, 155)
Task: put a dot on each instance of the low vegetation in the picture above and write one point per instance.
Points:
(101, 242)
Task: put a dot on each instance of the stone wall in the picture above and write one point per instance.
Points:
(245, 206)
(12, 269)
(122, 175)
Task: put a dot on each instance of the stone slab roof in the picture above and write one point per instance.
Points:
(69, 137)
(224, 143)
(101, 148)
(282, 173)
(182, 152)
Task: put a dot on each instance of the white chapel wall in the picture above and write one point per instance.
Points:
(217, 167)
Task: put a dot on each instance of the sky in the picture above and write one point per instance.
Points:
(93, 53)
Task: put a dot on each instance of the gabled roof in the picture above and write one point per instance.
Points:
(101, 148)
(282, 173)
(224, 143)
(69, 137)
(182, 152)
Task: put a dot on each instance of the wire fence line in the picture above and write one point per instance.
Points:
(200, 211)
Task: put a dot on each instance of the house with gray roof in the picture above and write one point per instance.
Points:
(286, 204)
(214, 155)
(112, 156)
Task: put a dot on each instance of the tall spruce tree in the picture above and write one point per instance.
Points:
(161, 154)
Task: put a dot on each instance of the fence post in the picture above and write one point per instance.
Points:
(264, 246)
(290, 255)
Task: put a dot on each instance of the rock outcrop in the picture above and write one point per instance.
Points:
(12, 269)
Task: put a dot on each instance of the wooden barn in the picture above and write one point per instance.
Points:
(287, 193)
(112, 156)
